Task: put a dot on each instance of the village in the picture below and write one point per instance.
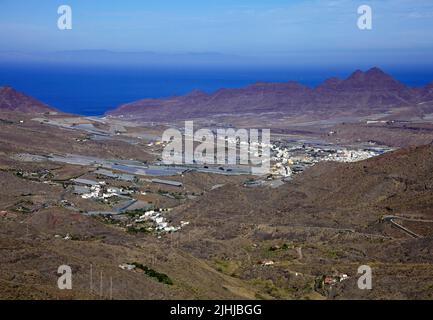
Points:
(123, 192)
(293, 157)
(128, 211)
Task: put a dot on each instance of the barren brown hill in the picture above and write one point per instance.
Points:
(12, 100)
(331, 194)
(336, 214)
(361, 93)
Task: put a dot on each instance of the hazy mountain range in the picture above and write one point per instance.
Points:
(361, 92)
(113, 58)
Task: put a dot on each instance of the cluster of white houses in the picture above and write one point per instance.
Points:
(294, 157)
(89, 189)
(160, 222)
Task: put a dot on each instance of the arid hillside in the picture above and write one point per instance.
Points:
(257, 243)
(12, 100)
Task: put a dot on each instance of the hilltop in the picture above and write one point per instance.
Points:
(13, 100)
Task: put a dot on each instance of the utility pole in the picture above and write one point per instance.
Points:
(91, 278)
(100, 286)
(111, 288)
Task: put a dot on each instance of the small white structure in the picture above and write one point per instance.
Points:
(126, 266)
(267, 263)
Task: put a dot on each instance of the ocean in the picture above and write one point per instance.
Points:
(95, 90)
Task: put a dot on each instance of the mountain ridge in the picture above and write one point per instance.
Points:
(369, 91)
(13, 100)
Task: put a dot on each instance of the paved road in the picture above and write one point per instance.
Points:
(391, 219)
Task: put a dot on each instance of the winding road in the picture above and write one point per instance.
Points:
(391, 218)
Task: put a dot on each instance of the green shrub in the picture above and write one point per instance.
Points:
(160, 277)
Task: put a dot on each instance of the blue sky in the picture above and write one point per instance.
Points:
(402, 29)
